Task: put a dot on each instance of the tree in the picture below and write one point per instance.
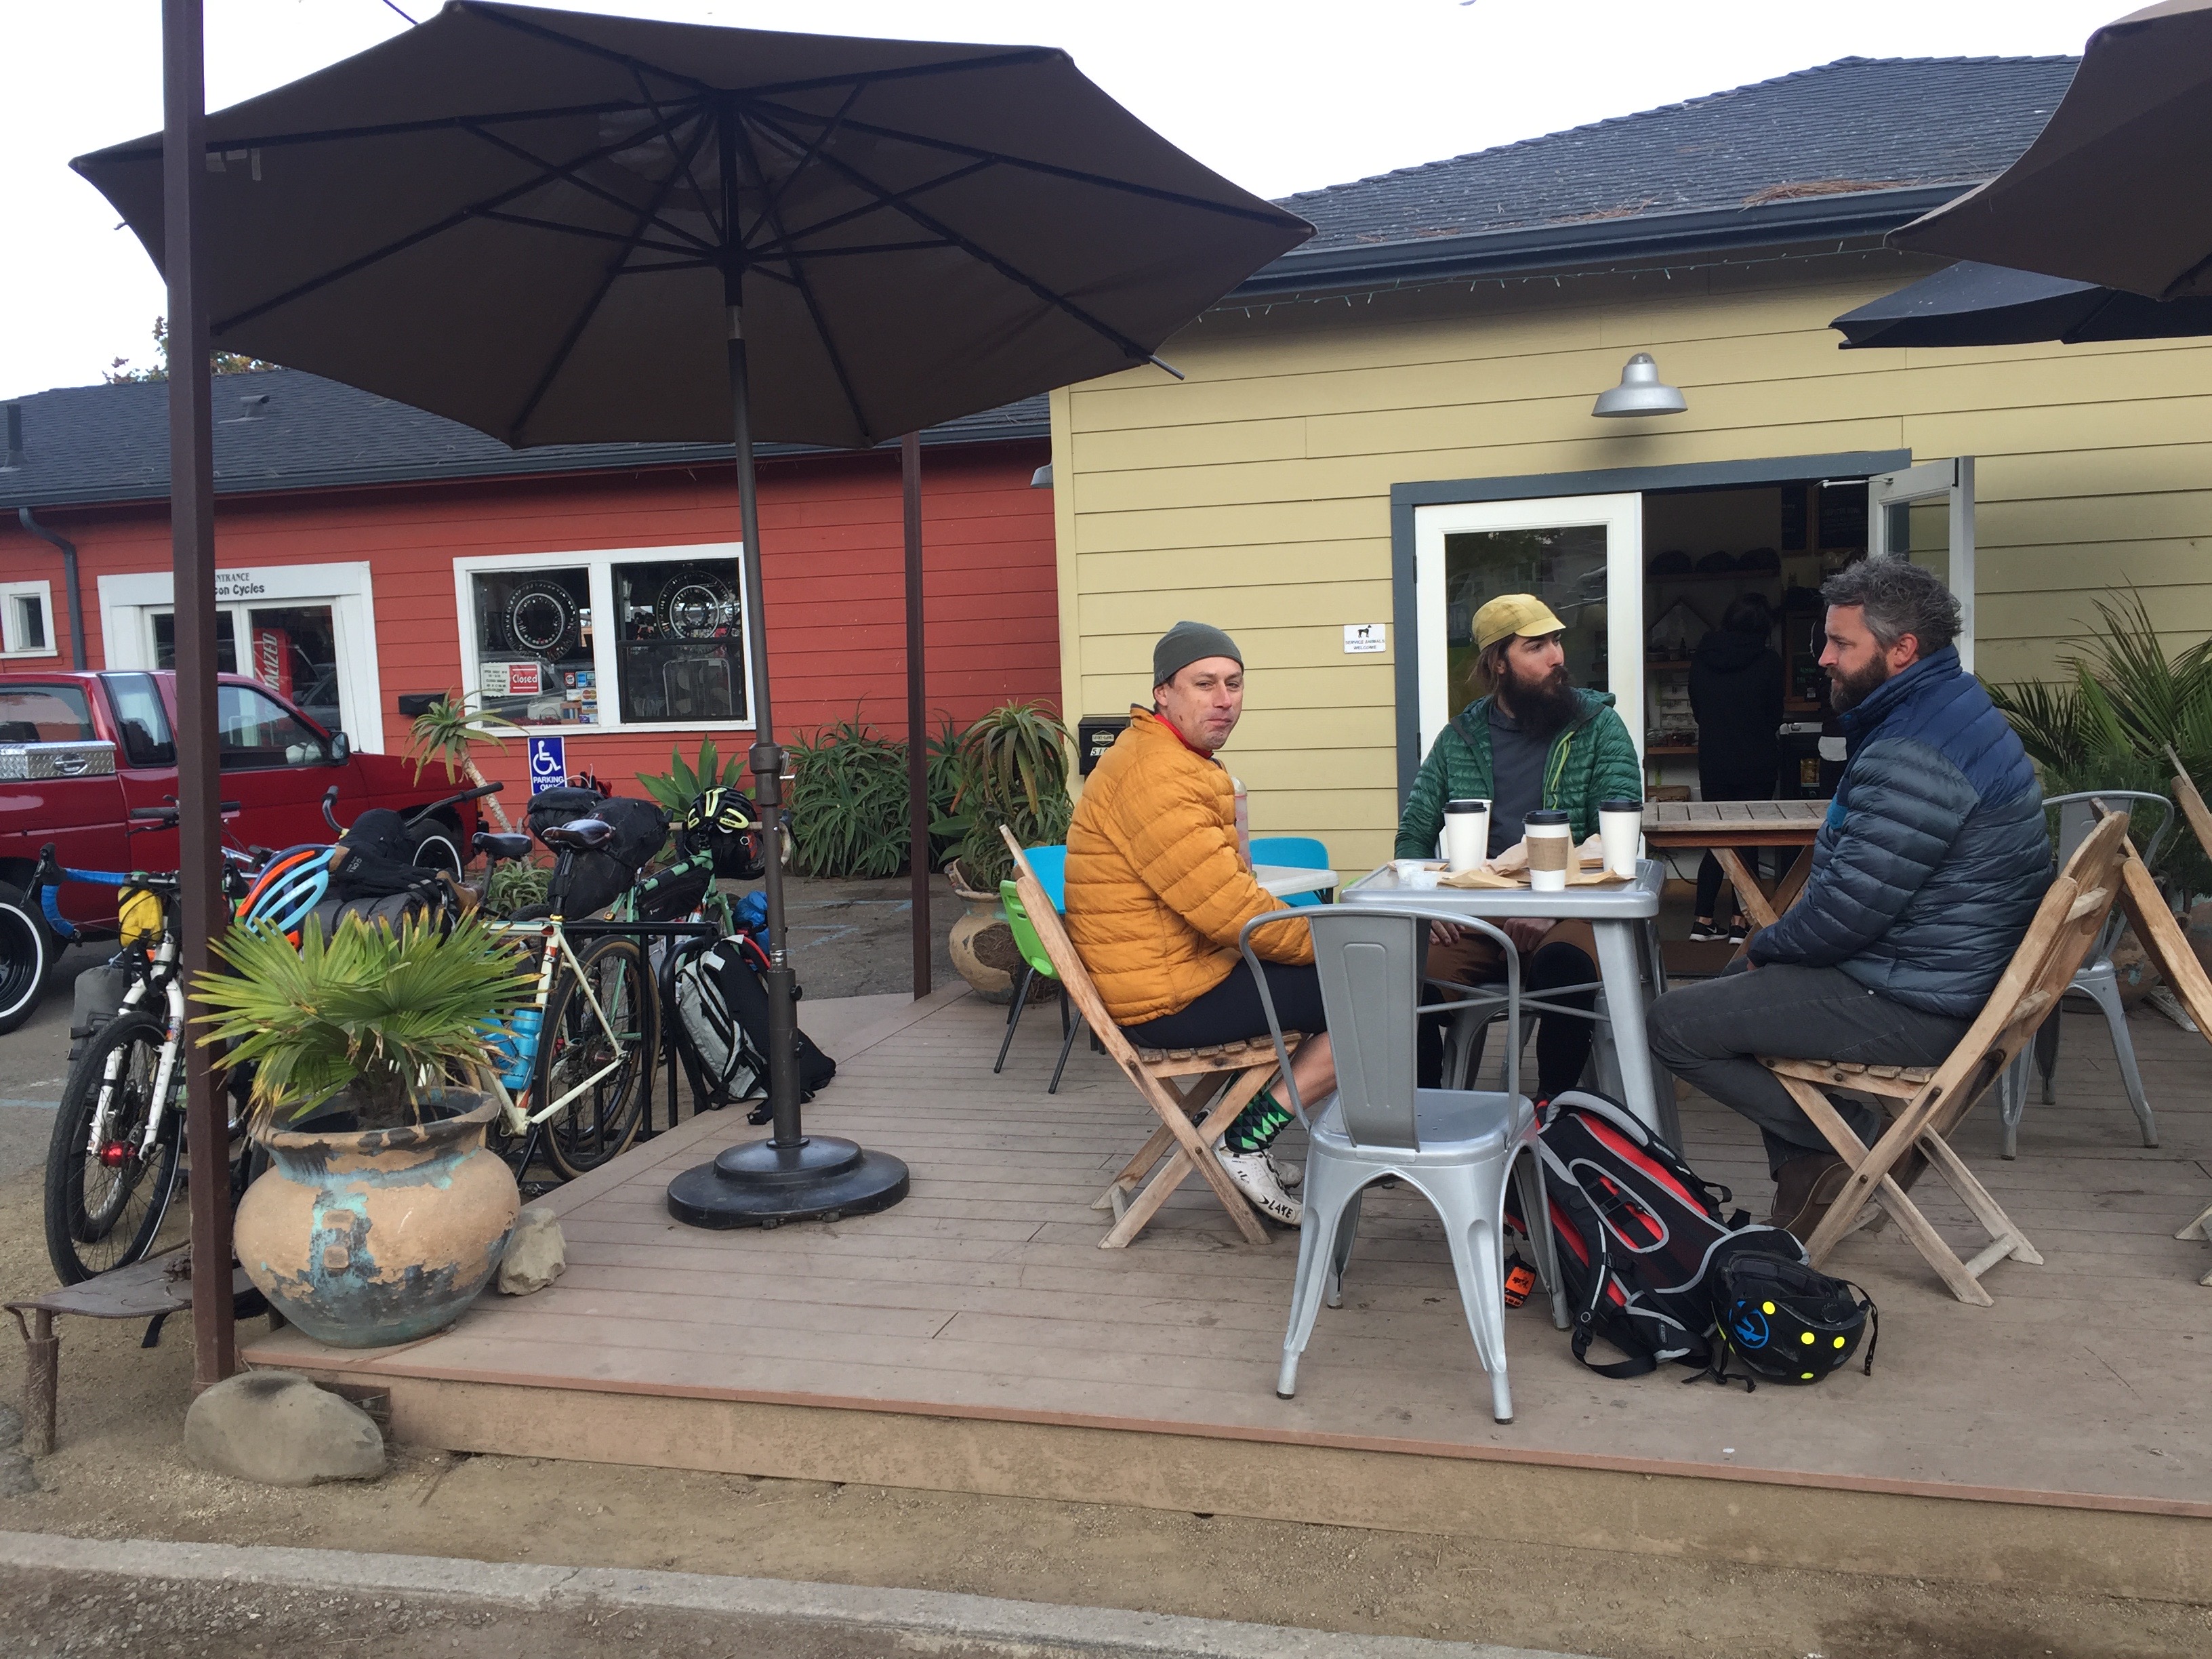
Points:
(119, 373)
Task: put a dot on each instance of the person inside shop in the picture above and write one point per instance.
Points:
(1926, 872)
(1159, 892)
(1735, 692)
(1533, 739)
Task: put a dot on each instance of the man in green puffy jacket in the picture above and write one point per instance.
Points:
(1534, 740)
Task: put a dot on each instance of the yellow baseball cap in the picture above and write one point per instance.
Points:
(1514, 613)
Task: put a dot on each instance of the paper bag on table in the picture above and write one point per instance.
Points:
(1510, 868)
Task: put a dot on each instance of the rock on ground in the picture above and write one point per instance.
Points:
(536, 1255)
(16, 1477)
(281, 1430)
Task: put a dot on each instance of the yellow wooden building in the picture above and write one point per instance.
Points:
(1396, 421)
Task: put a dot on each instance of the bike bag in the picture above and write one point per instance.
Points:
(721, 1010)
(549, 807)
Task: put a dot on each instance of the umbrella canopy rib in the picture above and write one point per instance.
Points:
(984, 256)
(452, 221)
(572, 174)
(878, 204)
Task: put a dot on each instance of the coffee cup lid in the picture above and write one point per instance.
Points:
(1467, 806)
(1545, 817)
(1621, 803)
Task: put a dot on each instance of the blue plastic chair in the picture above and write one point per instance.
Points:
(1050, 864)
(1298, 852)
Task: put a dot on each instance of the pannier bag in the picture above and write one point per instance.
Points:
(723, 822)
(374, 862)
(640, 830)
(549, 807)
(1640, 1236)
(1788, 1322)
(722, 1009)
(586, 882)
(100, 994)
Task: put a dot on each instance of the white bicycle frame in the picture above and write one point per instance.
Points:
(165, 1075)
(516, 1115)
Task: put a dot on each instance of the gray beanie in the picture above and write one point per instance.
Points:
(1187, 642)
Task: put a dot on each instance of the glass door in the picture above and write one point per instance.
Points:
(291, 649)
(1926, 513)
(1582, 554)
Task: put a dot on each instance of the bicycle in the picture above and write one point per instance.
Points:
(573, 1072)
(118, 1143)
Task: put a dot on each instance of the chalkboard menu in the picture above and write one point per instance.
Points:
(1793, 517)
(1842, 515)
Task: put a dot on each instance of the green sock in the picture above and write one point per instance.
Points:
(1256, 1127)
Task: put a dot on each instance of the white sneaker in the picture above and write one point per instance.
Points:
(1288, 1173)
(1255, 1178)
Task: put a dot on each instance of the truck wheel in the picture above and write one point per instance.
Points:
(27, 955)
(436, 845)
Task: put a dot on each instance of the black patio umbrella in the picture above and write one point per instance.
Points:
(1969, 304)
(562, 228)
(2114, 189)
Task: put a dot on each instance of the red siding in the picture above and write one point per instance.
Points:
(831, 529)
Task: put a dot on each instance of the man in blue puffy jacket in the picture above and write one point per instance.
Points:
(1929, 865)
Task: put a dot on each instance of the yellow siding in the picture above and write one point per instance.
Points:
(1255, 496)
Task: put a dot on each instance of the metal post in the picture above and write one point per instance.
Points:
(191, 533)
(917, 719)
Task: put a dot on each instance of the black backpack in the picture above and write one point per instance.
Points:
(1640, 1236)
(376, 862)
(722, 1009)
(549, 807)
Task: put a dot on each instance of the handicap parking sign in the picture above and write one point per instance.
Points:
(549, 764)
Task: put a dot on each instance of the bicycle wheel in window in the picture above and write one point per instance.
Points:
(104, 1204)
(601, 1067)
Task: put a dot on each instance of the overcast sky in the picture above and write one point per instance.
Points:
(1280, 97)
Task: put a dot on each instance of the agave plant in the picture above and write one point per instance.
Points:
(380, 1015)
(684, 781)
(848, 802)
(1014, 771)
(447, 731)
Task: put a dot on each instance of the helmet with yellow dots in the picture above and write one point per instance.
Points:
(1788, 1322)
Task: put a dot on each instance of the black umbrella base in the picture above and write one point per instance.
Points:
(762, 1185)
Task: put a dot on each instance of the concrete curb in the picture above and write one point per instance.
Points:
(1028, 1626)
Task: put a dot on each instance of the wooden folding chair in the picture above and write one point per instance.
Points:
(1196, 1092)
(1929, 1102)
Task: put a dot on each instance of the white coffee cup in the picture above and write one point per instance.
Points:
(1415, 875)
(1620, 828)
(1551, 849)
(1467, 835)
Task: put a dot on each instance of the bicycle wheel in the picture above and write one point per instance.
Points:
(605, 1065)
(105, 1206)
(28, 952)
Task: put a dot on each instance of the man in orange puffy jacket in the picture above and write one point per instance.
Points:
(1157, 892)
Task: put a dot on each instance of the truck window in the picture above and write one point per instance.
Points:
(254, 730)
(140, 720)
(46, 714)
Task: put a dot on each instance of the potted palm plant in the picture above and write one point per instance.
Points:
(447, 731)
(1010, 768)
(382, 1212)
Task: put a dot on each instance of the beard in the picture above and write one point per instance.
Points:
(1848, 691)
(1543, 707)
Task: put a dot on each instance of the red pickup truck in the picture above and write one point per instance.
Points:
(87, 761)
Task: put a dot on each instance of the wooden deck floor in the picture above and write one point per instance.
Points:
(985, 1297)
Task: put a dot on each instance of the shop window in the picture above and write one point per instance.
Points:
(680, 651)
(610, 641)
(26, 619)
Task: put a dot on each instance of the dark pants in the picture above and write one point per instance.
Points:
(1565, 955)
(1230, 1012)
(1706, 1033)
(1720, 782)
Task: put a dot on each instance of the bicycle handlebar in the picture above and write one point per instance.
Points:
(330, 800)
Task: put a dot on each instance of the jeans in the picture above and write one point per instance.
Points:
(1706, 1034)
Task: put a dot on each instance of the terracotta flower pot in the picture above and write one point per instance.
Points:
(367, 1238)
(982, 945)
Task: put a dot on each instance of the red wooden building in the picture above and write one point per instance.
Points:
(371, 555)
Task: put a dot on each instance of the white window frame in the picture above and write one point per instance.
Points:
(599, 565)
(1889, 496)
(1621, 516)
(127, 604)
(10, 645)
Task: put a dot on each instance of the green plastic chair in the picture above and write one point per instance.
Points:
(1033, 953)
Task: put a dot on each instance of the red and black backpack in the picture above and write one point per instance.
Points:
(1640, 1236)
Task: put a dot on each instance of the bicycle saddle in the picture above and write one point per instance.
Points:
(498, 846)
(581, 835)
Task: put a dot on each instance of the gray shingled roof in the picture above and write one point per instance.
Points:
(1860, 145)
(284, 429)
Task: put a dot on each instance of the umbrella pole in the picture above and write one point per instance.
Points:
(191, 532)
(790, 1176)
(917, 694)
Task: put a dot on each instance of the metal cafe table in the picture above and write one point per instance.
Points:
(1623, 919)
